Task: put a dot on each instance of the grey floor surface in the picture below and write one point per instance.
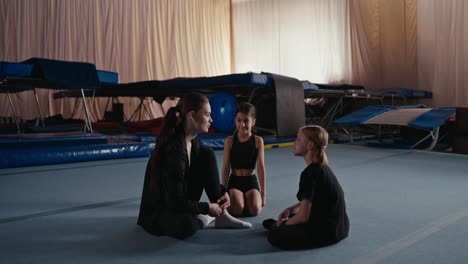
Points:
(404, 207)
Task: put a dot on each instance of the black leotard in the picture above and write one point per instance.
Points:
(243, 154)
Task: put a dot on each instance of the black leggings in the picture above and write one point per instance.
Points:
(204, 175)
(294, 237)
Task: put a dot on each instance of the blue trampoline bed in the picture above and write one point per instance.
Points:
(419, 117)
(327, 102)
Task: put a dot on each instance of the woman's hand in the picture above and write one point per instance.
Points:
(214, 210)
(263, 200)
(224, 202)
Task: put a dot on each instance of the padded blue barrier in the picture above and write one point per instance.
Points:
(14, 70)
(433, 118)
(34, 156)
(33, 151)
(57, 74)
(50, 139)
(108, 77)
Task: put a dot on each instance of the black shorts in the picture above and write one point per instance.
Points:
(243, 183)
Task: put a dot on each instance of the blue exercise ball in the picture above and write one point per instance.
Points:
(223, 111)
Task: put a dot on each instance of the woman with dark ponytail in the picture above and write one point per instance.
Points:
(320, 218)
(178, 171)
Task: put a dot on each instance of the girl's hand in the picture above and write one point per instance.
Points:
(263, 200)
(214, 210)
(224, 202)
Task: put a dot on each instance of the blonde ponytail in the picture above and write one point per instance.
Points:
(319, 136)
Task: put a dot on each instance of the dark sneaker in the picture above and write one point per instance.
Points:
(269, 223)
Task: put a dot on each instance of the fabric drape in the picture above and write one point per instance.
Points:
(141, 40)
(383, 37)
(443, 51)
(305, 39)
(418, 44)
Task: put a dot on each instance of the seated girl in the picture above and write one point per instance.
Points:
(319, 218)
(242, 153)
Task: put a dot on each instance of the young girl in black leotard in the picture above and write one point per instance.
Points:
(242, 153)
(320, 218)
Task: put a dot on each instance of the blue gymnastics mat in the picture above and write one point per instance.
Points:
(56, 148)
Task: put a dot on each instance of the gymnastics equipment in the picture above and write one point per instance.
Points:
(278, 99)
(327, 102)
(415, 116)
(223, 111)
(54, 74)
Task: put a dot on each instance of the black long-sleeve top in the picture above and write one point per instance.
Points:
(170, 166)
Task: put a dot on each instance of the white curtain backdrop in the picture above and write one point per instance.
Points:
(383, 43)
(443, 50)
(418, 44)
(141, 40)
(305, 39)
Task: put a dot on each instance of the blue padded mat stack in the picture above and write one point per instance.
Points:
(56, 148)
(56, 74)
(108, 77)
(14, 70)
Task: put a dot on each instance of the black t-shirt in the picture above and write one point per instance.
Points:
(328, 216)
